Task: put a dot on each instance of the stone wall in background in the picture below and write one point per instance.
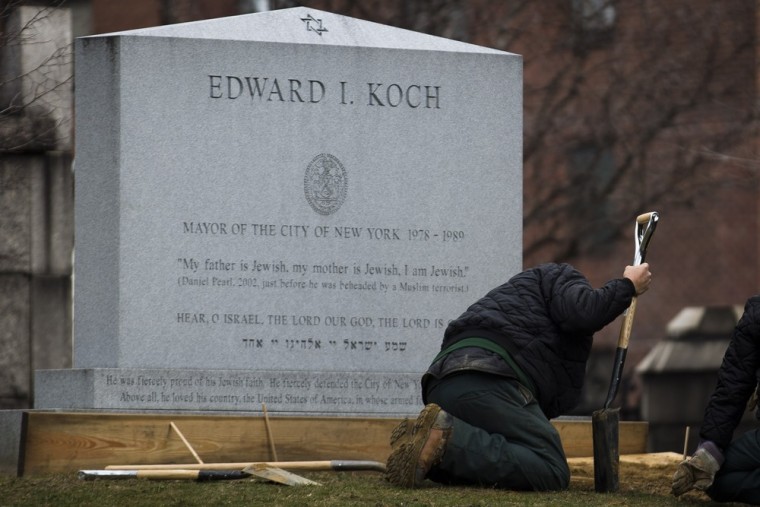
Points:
(36, 198)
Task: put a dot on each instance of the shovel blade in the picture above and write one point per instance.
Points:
(279, 475)
(605, 432)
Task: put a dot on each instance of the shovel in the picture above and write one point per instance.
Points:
(272, 471)
(336, 465)
(262, 470)
(605, 422)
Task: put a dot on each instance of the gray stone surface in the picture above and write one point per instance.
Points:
(36, 209)
(15, 360)
(59, 199)
(51, 316)
(292, 191)
(35, 332)
(287, 392)
(36, 214)
(20, 220)
(27, 133)
(10, 441)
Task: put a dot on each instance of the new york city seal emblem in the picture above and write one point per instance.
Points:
(325, 184)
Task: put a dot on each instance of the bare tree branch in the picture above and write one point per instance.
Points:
(30, 118)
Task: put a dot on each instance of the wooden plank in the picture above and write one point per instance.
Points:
(70, 441)
(648, 460)
(65, 441)
(577, 437)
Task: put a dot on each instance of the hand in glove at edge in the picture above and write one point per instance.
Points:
(698, 472)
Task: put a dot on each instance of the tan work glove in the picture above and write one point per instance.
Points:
(697, 472)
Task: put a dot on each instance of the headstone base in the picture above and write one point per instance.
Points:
(282, 392)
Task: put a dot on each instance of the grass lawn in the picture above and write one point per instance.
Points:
(639, 485)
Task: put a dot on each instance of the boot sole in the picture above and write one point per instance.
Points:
(401, 468)
(401, 434)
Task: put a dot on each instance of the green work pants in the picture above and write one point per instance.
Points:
(738, 480)
(500, 436)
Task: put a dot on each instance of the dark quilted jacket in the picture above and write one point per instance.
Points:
(737, 377)
(546, 317)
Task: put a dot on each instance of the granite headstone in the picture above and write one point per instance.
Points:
(283, 208)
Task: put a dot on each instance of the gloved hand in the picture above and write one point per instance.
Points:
(697, 472)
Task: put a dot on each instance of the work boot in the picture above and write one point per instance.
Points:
(401, 434)
(410, 463)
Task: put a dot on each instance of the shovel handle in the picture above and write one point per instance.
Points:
(620, 353)
(645, 225)
(625, 329)
(166, 474)
(334, 465)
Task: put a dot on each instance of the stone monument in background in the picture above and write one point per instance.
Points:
(283, 208)
(36, 196)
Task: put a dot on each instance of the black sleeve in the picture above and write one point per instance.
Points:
(577, 307)
(736, 378)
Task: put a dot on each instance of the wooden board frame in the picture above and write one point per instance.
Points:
(60, 442)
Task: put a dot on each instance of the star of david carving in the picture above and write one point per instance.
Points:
(314, 25)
